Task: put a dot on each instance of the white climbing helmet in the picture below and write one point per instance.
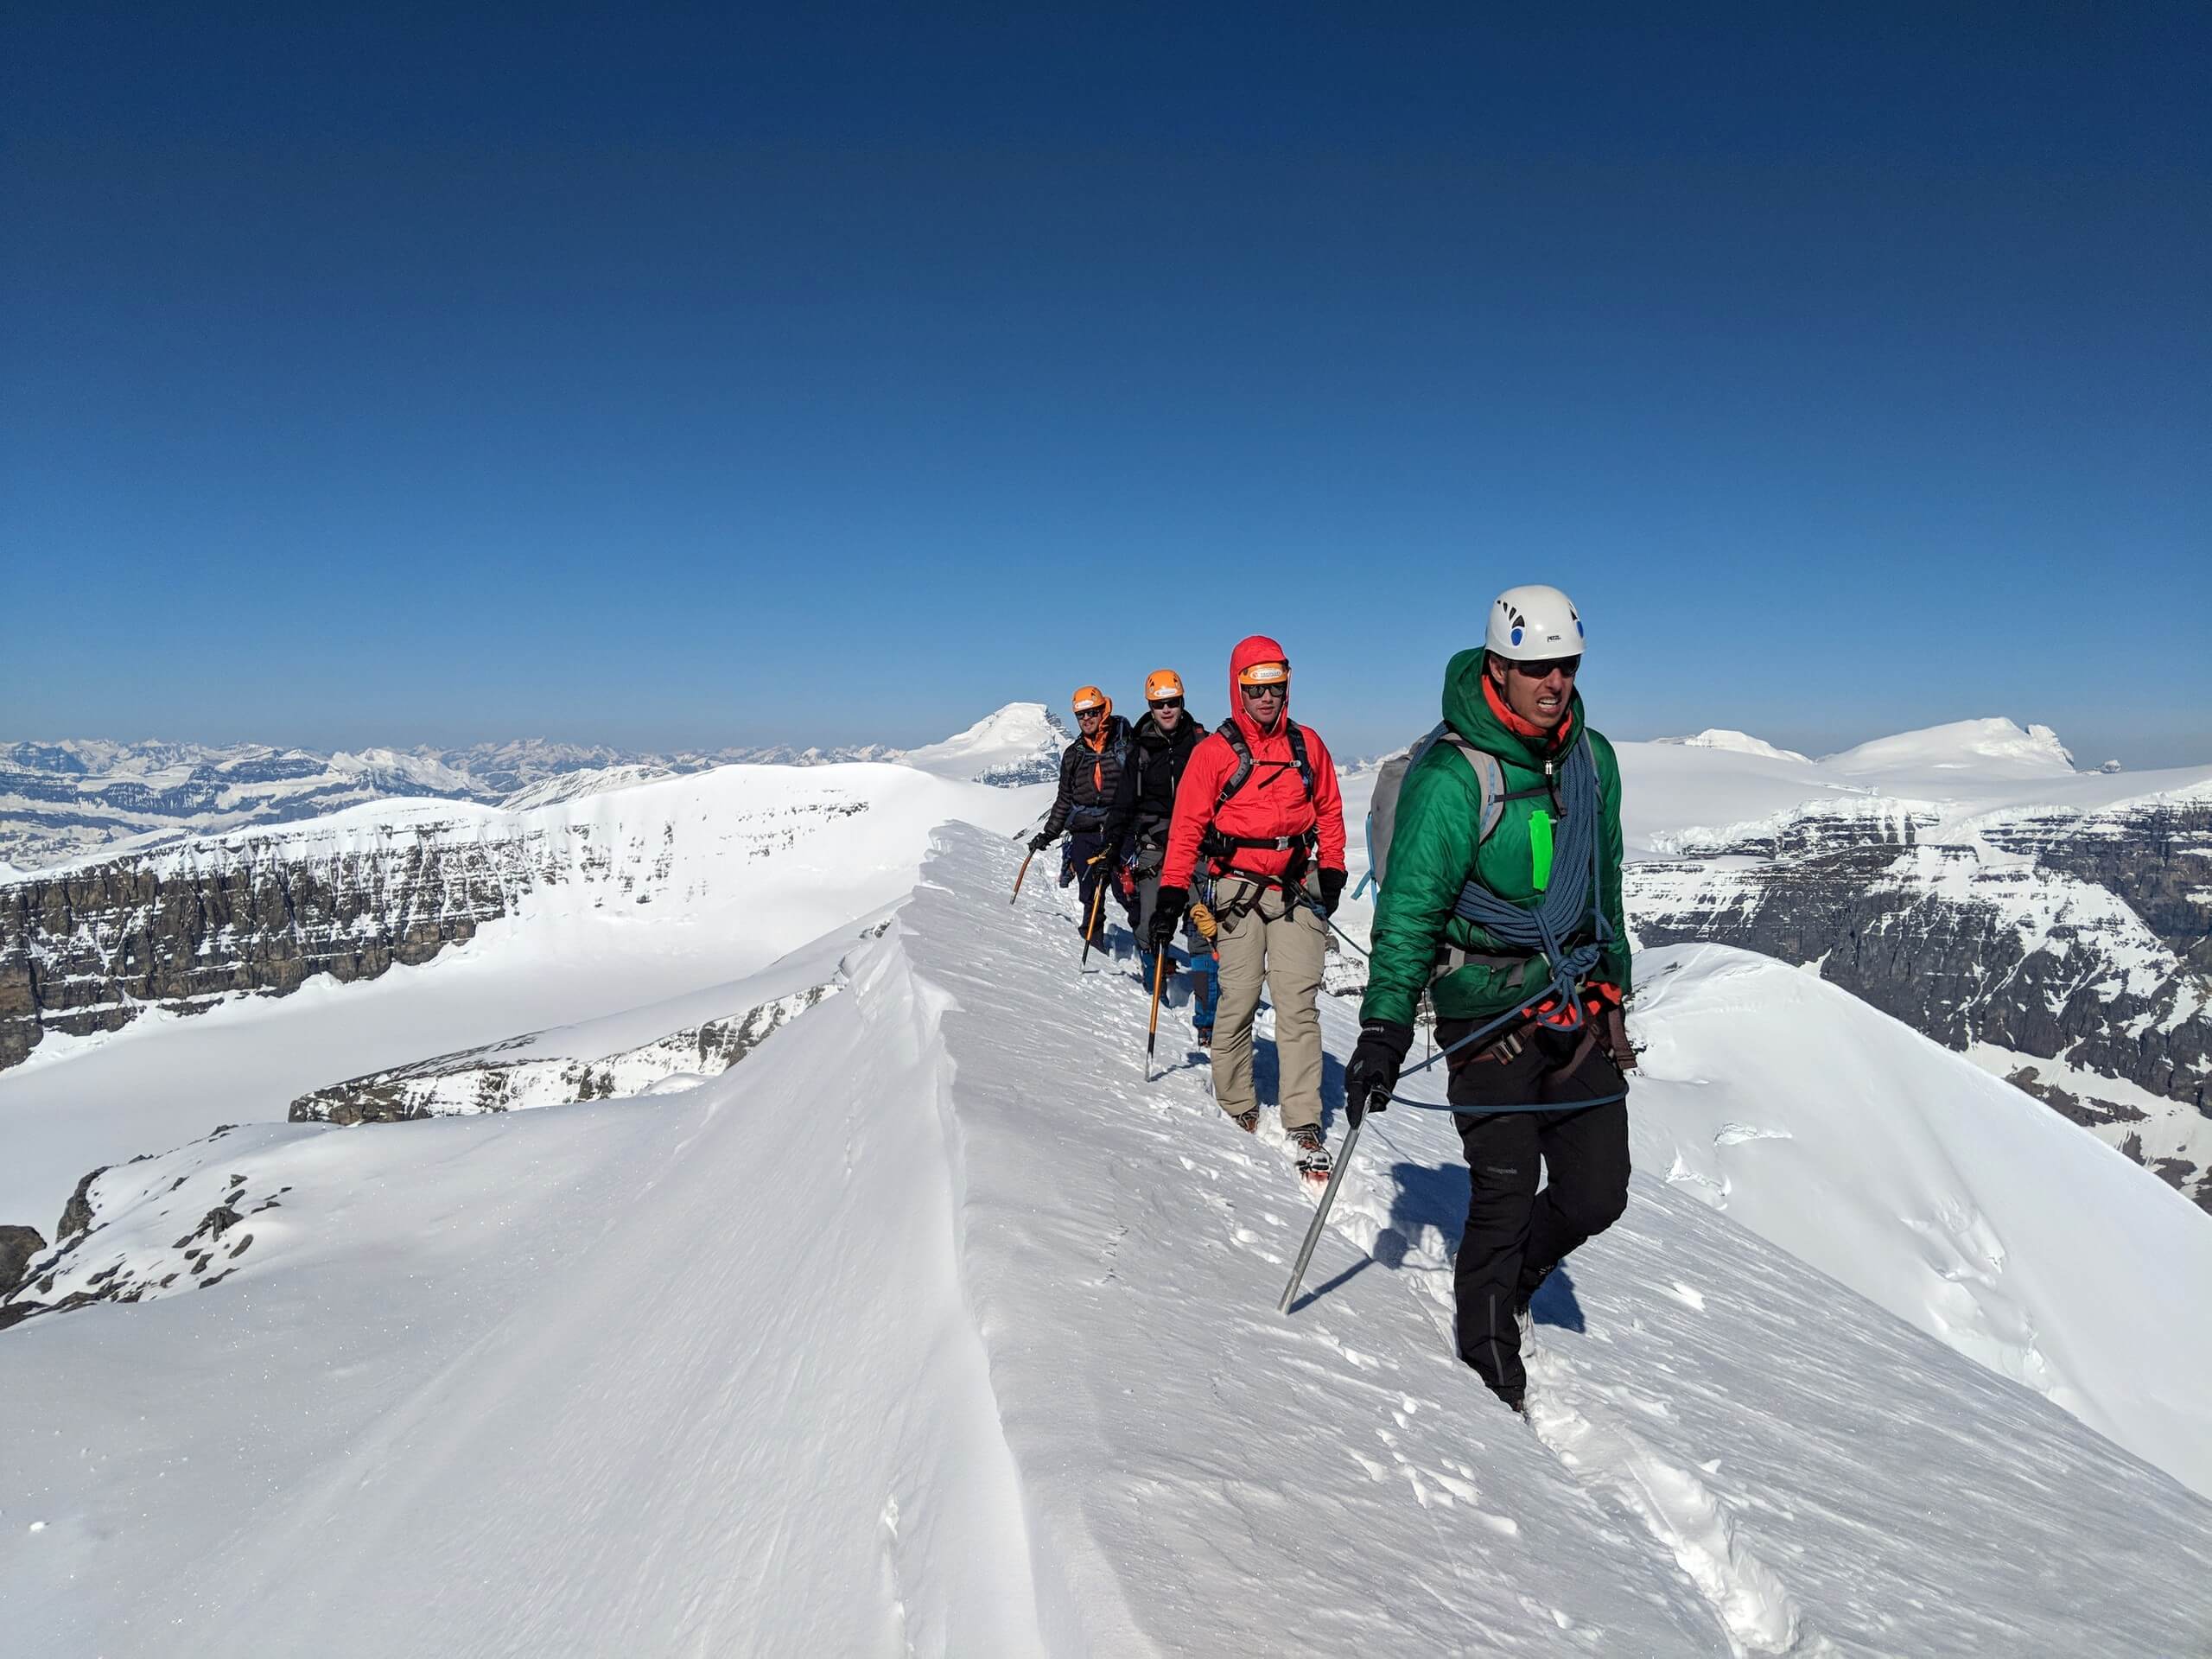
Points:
(1533, 624)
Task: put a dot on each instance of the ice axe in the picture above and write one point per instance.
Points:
(1090, 924)
(1021, 874)
(1152, 1036)
(1320, 1216)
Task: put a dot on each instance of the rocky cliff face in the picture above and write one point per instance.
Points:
(2066, 950)
(91, 950)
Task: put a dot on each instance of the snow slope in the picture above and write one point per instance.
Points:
(1977, 745)
(932, 1328)
(1944, 1194)
(1721, 737)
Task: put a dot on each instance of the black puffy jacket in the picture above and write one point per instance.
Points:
(1146, 800)
(1089, 778)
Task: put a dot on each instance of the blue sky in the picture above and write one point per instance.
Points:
(680, 379)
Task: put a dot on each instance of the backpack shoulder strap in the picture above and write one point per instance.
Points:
(1298, 754)
(1230, 735)
(1489, 781)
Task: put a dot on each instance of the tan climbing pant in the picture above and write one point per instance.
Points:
(1282, 948)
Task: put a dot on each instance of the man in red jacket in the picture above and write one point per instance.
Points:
(1259, 822)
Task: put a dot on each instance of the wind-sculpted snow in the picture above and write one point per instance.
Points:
(1931, 1188)
(933, 1328)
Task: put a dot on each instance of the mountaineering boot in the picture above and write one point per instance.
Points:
(1202, 1036)
(1515, 1399)
(1248, 1122)
(1312, 1152)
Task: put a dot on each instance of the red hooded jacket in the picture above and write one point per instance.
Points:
(1273, 801)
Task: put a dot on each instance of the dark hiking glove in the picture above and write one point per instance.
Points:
(1332, 891)
(1373, 1071)
(1040, 840)
(1167, 915)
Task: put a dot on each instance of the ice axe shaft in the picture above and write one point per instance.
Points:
(1152, 1036)
(1321, 1219)
(1019, 875)
(1091, 923)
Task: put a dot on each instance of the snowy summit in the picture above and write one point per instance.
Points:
(1979, 744)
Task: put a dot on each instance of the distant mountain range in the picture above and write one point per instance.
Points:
(2051, 923)
(62, 800)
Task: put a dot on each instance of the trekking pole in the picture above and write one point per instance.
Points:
(1097, 898)
(1152, 1036)
(1320, 1216)
(1020, 874)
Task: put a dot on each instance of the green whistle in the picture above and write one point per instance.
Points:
(1539, 849)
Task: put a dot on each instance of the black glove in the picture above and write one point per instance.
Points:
(1373, 1072)
(1167, 915)
(1040, 840)
(1332, 890)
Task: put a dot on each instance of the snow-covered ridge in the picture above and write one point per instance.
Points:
(921, 1366)
(1719, 737)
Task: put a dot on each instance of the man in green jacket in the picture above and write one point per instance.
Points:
(1547, 1080)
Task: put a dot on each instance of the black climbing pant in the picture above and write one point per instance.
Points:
(1516, 1234)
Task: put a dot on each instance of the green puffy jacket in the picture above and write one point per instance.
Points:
(1433, 853)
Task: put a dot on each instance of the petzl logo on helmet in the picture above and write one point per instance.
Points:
(1264, 674)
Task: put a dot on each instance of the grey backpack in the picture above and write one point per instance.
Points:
(1383, 808)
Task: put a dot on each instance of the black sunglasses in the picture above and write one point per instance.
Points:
(1568, 665)
(1275, 689)
(1166, 702)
